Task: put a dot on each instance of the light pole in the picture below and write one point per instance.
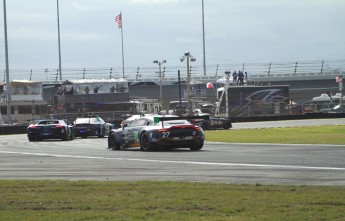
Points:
(58, 21)
(46, 71)
(160, 81)
(189, 58)
(203, 37)
(8, 87)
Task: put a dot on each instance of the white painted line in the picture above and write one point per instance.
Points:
(271, 166)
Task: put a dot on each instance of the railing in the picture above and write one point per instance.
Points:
(307, 68)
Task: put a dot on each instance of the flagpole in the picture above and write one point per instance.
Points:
(123, 58)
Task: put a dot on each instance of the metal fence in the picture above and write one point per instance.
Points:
(144, 72)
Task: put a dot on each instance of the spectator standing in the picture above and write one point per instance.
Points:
(240, 78)
(234, 77)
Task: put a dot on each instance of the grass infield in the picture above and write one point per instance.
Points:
(287, 135)
(153, 200)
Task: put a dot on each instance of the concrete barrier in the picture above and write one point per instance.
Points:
(6, 130)
(288, 117)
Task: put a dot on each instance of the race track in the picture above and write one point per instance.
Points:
(88, 159)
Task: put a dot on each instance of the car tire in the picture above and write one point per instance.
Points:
(145, 144)
(101, 132)
(73, 135)
(65, 136)
(197, 146)
(70, 134)
(227, 125)
(112, 142)
(31, 139)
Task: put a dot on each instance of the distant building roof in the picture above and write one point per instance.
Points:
(82, 81)
(24, 82)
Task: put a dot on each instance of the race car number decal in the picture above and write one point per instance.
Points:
(165, 134)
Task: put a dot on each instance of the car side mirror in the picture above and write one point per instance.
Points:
(124, 125)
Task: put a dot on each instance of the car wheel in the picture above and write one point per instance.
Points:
(73, 135)
(112, 142)
(197, 146)
(31, 139)
(70, 134)
(65, 137)
(101, 132)
(227, 125)
(145, 142)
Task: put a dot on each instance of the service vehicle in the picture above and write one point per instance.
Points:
(157, 132)
(50, 129)
(91, 126)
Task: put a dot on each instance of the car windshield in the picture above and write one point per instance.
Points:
(95, 120)
(132, 118)
(48, 122)
(138, 122)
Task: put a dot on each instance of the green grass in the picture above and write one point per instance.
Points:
(289, 135)
(93, 200)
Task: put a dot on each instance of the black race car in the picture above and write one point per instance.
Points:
(50, 129)
(157, 133)
(90, 126)
(213, 122)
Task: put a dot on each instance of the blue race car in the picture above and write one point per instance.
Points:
(156, 132)
(50, 129)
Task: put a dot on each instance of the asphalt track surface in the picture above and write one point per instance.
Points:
(88, 159)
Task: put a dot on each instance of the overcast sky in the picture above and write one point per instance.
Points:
(236, 31)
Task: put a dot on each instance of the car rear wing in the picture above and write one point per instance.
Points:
(162, 119)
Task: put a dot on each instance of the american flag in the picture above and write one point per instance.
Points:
(339, 79)
(118, 20)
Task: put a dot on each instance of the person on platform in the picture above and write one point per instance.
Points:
(240, 78)
(234, 77)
